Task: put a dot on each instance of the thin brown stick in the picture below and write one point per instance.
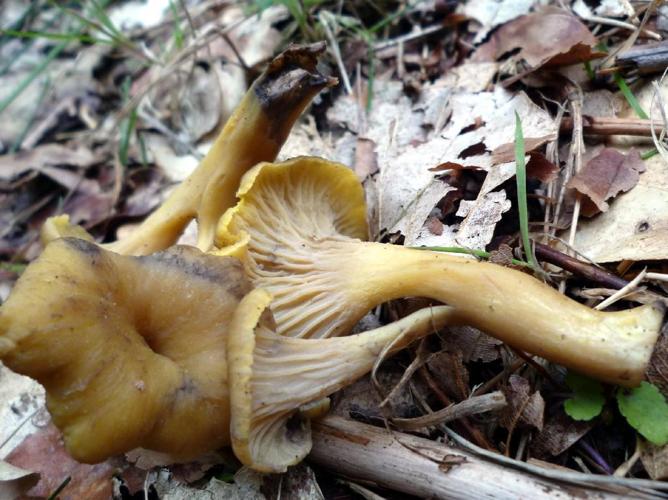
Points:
(578, 267)
(472, 406)
(491, 383)
(613, 126)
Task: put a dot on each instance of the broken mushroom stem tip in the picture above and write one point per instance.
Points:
(299, 225)
(255, 132)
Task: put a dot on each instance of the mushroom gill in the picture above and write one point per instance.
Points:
(272, 376)
(299, 225)
(131, 350)
(161, 352)
(255, 132)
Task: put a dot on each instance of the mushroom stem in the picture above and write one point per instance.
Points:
(271, 376)
(255, 132)
(510, 305)
(298, 225)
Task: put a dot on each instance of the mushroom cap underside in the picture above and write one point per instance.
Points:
(306, 196)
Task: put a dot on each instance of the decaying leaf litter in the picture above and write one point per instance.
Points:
(106, 118)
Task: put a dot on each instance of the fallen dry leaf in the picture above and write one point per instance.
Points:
(493, 13)
(655, 460)
(473, 344)
(549, 37)
(247, 486)
(189, 101)
(44, 453)
(479, 123)
(299, 483)
(448, 368)
(480, 218)
(22, 409)
(15, 481)
(559, 433)
(254, 37)
(46, 155)
(606, 8)
(605, 176)
(635, 227)
(524, 408)
(175, 167)
(657, 371)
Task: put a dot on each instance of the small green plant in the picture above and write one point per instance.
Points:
(127, 125)
(521, 177)
(644, 407)
(588, 399)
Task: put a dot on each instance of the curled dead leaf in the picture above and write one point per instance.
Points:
(559, 433)
(655, 460)
(480, 218)
(524, 407)
(657, 371)
(549, 37)
(15, 481)
(605, 176)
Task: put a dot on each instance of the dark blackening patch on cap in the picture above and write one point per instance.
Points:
(288, 83)
(83, 246)
(226, 271)
(187, 386)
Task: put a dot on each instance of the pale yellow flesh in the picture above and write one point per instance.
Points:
(299, 224)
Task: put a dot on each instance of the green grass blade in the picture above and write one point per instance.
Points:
(589, 70)
(521, 177)
(648, 154)
(630, 98)
(178, 32)
(481, 254)
(81, 37)
(53, 53)
(127, 126)
(104, 19)
(372, 76)
(387, 20)
(13, 267)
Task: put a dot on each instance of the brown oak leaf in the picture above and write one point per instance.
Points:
(605, 176)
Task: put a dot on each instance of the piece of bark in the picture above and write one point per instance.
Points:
(428, 469)
(578, 267)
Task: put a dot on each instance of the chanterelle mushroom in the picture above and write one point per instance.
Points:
(299, 227)
(255, 132)
(134, 352)
(130, 350)
(272, 375)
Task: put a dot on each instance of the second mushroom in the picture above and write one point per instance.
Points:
(300, 227)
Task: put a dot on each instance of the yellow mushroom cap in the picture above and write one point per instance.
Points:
(131, 350)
